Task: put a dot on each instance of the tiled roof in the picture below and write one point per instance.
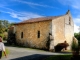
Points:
(38, 19)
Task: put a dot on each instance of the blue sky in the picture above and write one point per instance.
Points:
(19, 10)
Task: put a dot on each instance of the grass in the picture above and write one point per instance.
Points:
(59, 57)
(7, 52)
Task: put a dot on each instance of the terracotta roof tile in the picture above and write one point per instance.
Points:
(38, 19)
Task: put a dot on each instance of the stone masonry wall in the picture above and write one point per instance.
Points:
(62, 30)
(58, 30)
(69, 30)
(30, 33)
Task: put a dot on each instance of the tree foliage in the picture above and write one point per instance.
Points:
(77, 35)
(4, 25)
(11, 38)
(61, 46)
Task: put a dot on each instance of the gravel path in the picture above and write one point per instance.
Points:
(16, 53)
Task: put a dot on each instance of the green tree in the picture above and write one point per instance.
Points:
(77, 35)
(1, 27)
(4, 25)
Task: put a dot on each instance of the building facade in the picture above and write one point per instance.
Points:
(34, 32)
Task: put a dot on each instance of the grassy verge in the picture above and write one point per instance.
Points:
(7, 52)
(59, 57)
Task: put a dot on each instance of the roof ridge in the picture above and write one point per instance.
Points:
(46, 18)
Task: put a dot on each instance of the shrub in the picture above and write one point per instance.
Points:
(61, 46)
(74, 45)
(2, 35)
(77, 36)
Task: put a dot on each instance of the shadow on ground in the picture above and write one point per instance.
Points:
(32, 57)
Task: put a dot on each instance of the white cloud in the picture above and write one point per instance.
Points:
(20, 15)
(76, 24)
(72, 3)
(77, 20)
(7, 9)
(76, 28)
(23, 15)
(34, 4)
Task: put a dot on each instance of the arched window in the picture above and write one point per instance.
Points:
(38, 34)
(21, 34)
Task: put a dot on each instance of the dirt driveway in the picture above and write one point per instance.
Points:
(16, 53)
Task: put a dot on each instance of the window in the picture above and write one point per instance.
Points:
(21, 34)
(69, 21)
(38, 34)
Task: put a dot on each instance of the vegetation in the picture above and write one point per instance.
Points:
(61, 46)
(75, 49)
(4, 25)
(7, 52)
(77, 35)
(11, 38)
(74, 45)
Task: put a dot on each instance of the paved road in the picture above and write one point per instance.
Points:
(27, 54)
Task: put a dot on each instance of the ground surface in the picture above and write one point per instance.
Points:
(16, 53)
